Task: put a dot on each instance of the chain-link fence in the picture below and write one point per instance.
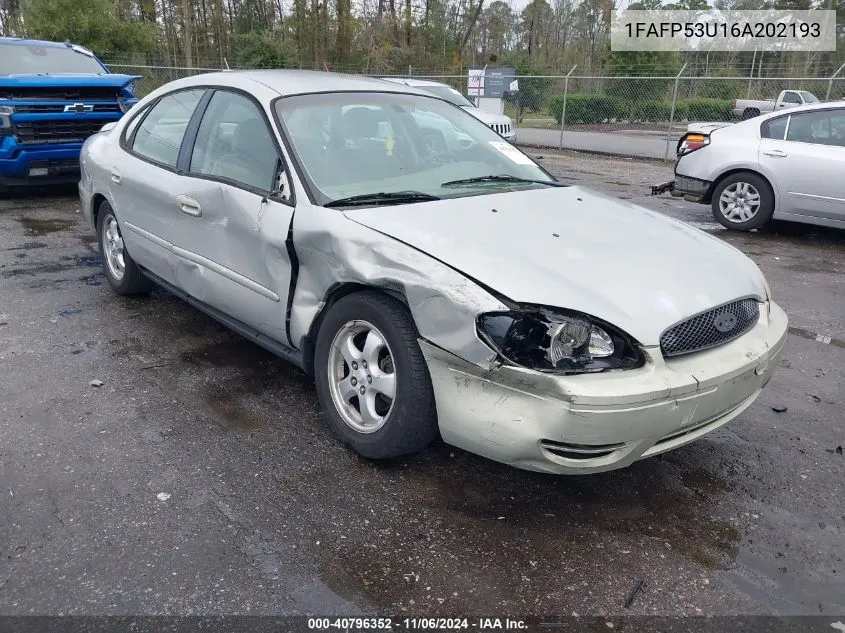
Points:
(630, 116)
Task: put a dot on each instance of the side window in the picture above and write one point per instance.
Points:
(774, 128)
(791, 97)
(133, 124)
(160, 133)
(233, 142)
(822, 127)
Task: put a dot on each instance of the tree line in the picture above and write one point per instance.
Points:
(389, 36)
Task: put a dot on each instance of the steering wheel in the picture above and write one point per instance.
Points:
(437, 158)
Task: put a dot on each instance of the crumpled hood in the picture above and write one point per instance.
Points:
(488, 117)
(575, 248)
(66, 81)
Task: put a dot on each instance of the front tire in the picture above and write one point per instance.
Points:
(372, 379)
(122, 272)
(743, 201)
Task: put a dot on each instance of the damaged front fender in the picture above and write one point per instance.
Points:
(333, 250)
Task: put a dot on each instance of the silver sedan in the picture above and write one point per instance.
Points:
(451, 288)
(785, 165)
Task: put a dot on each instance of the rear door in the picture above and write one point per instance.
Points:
(144, 176)
(231, 238)
(806, 157)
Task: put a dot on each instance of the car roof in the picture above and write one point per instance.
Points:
(293, 82)
(409, 81)
(809, 107)
(19, 41)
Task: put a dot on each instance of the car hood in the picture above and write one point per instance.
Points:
(488, 117)
(66, 81)
(574, 248)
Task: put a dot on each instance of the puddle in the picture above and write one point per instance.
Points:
(93, 280)
(28, 245)
(83, 261)
(237, 352)
(821, 268)
(65, 263)
(39, 227)
(39, 269)
(520, 531)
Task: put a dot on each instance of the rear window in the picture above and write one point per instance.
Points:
(774, 128)
(30, 60)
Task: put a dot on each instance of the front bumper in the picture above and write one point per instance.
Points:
(593, 423)
(33, 166)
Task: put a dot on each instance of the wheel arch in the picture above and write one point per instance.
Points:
(708, 198)
(333, 295)
(96, 202)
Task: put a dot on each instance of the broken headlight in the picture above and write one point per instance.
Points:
(558, 341)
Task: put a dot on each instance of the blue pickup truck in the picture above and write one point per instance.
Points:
(52, 97)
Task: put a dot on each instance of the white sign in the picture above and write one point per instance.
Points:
(475, 83)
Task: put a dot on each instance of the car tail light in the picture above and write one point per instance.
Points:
(691, 142)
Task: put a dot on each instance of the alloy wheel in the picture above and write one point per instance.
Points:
(362, 377)
(113, 248)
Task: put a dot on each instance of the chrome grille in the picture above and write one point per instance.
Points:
(711, 328)
(500, 128)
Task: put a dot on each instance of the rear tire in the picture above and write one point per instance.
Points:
(372, 380)
(743, 201)
(750, 113)
(123, 274)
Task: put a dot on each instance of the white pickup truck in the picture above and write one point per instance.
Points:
(749, 108)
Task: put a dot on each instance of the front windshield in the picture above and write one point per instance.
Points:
(809, 97)
(31, 60)
(449, 94)
(354, 144)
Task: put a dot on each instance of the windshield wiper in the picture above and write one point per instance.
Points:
(501, 178)
(382, 198)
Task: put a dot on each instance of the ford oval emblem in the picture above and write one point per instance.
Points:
(724, 322)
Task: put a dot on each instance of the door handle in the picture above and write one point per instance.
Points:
(189, 205)
(777, 153)
(115, 176)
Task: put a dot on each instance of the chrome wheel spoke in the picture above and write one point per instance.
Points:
(385, 384)
(369, 414)
(346, 389)
(350, 353)
(372, 347)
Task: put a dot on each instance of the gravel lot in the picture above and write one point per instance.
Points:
(200, 478)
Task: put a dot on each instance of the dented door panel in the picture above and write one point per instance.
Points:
(333, 250)
(234, 255)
